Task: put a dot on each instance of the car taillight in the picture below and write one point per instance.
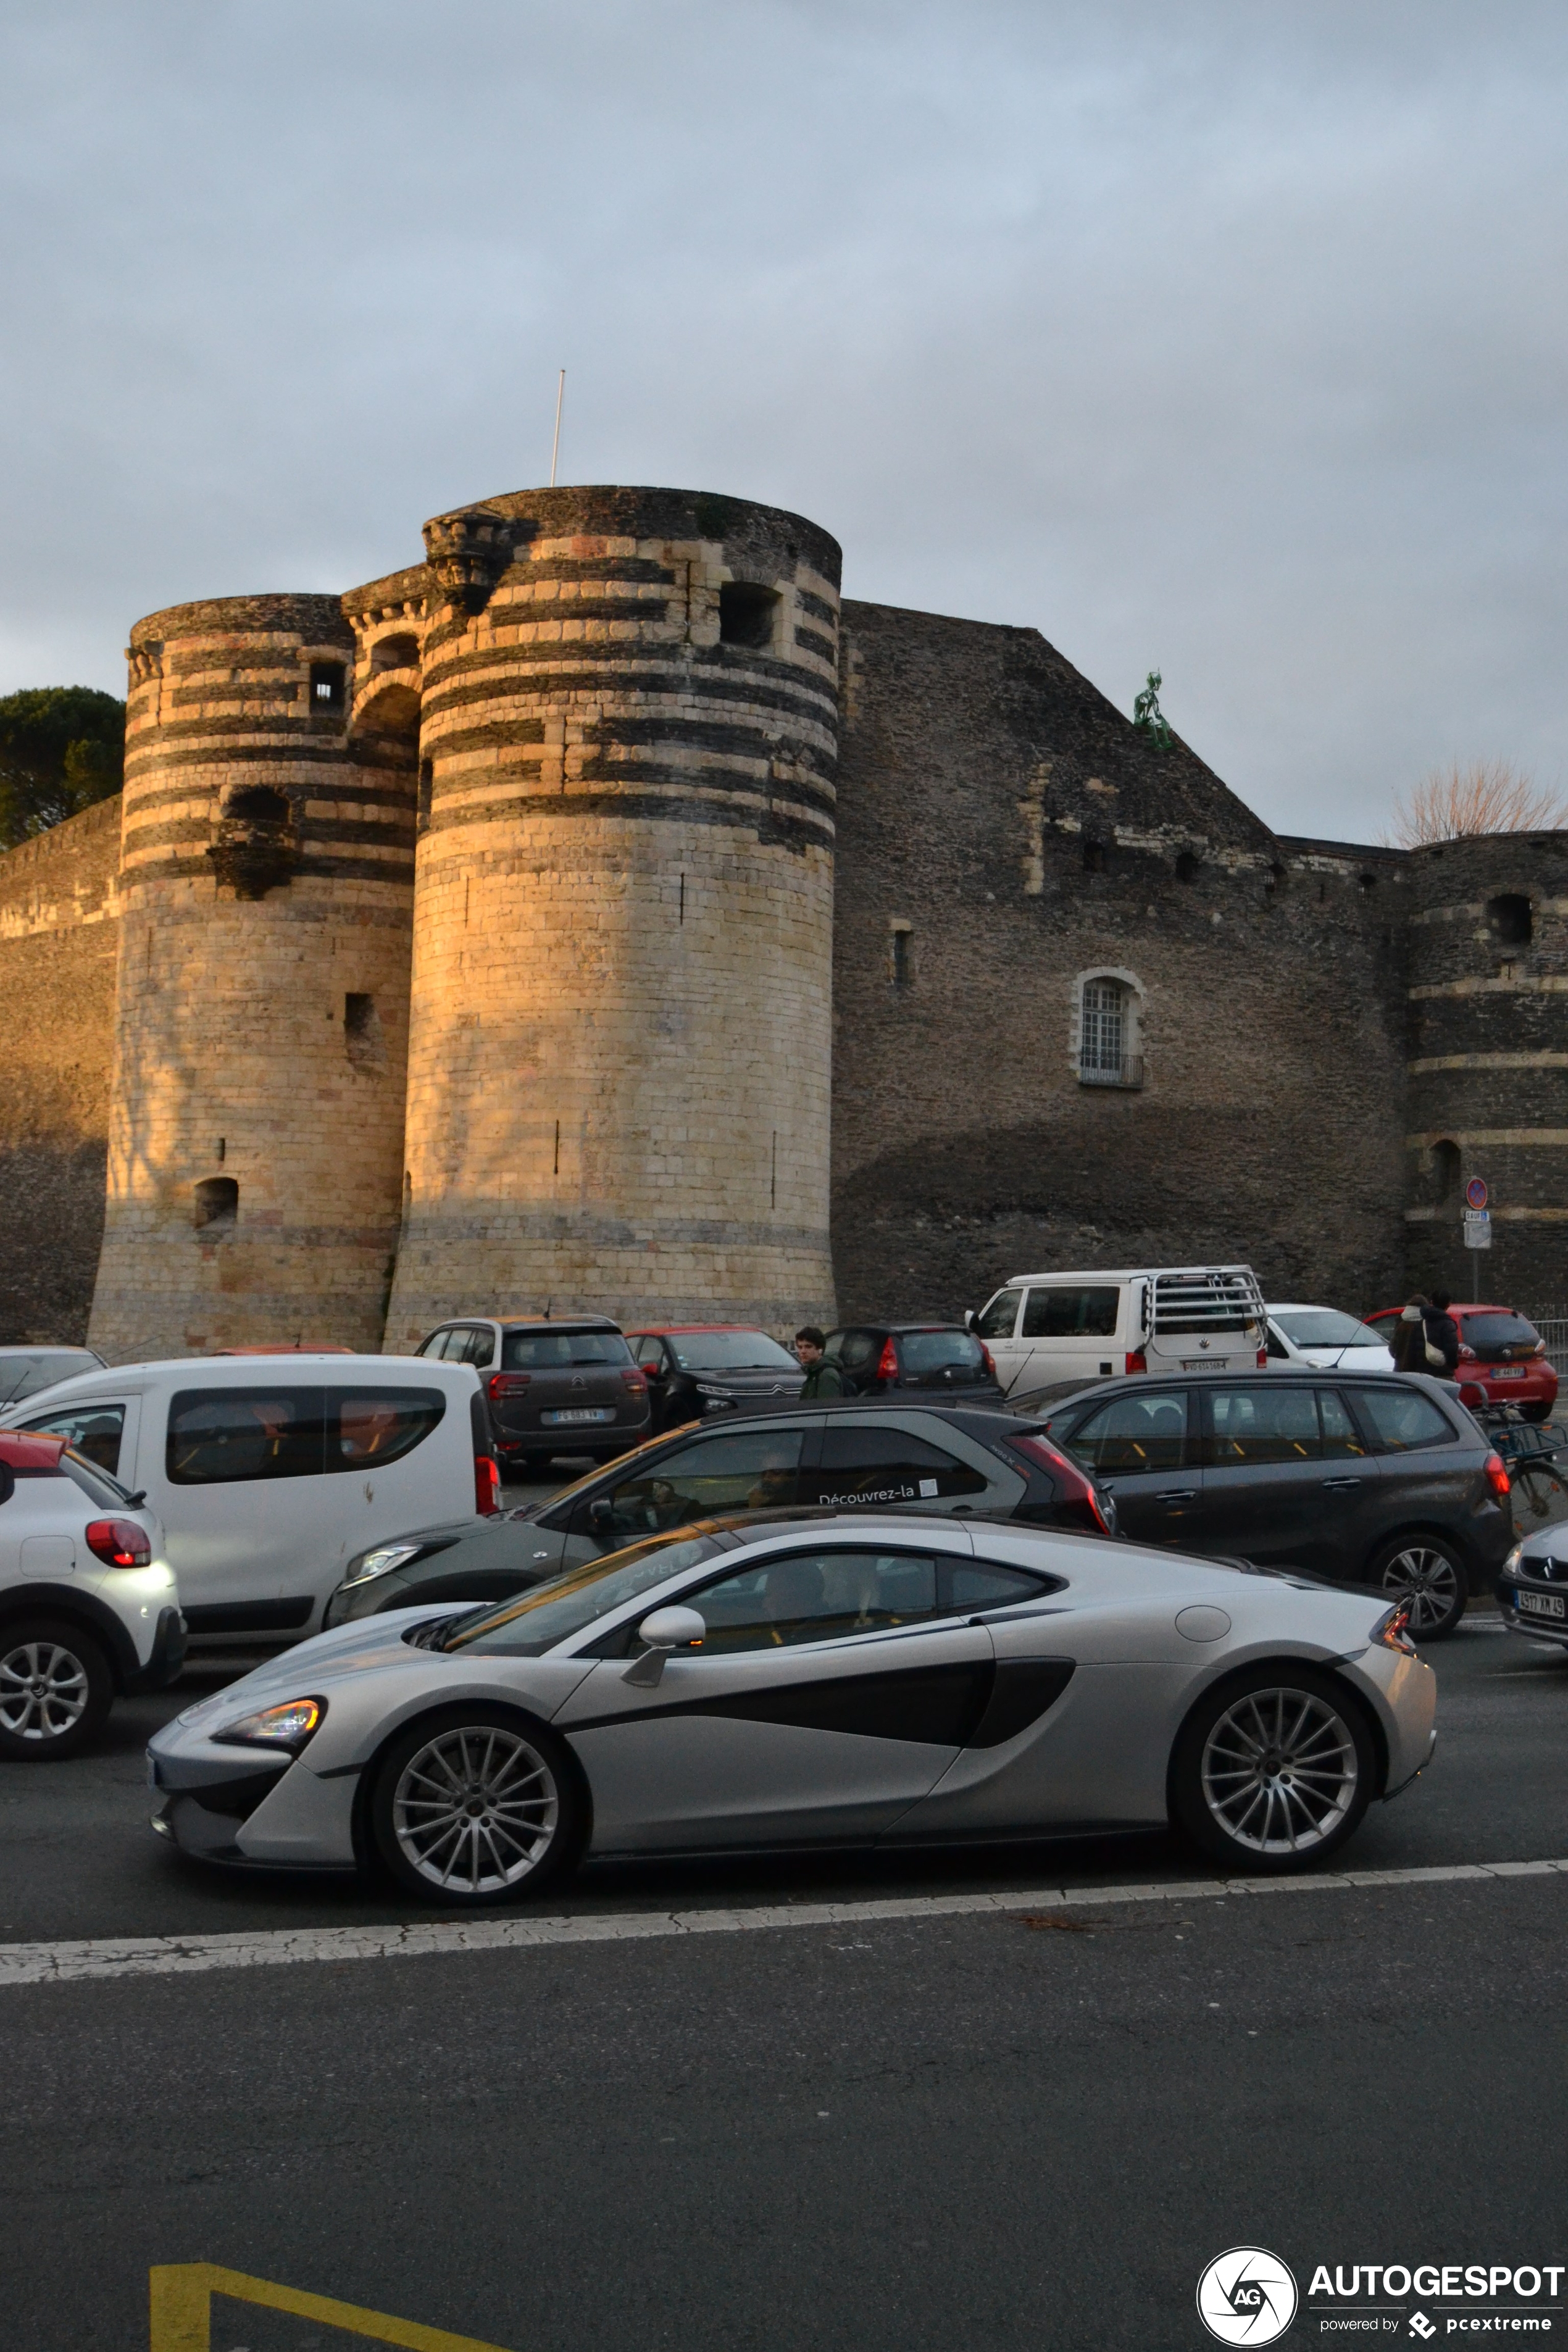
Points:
(505, 1384)
(119, 1543)
(1137, 1362)
(486, 1486)
(635, 1382)
(1263, 1359)
(1497, 1474)
(989, 1361)
(1078, 1487)
(887, 1362)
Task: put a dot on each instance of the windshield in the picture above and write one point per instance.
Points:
(1324, 1327)
(543, 1351)
(547, 1613)
(728, 1351)
(24, 1376)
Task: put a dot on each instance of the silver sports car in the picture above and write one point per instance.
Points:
(808, 1679)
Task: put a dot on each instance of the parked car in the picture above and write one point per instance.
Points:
(1322, 1336)
(949, 1458)
(1531, 1587)
(561, 1384)
(815, 1680)
(877, 1358)
(1501, 1354)
(694, 1369)
(25, 1370)
(268, 1479)
(1383, 1481)
(1043, 1328)
(89, 1606)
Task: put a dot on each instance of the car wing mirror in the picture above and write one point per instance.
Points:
(969, 1319)
(652, 1372)
(666, 1630)
(601, 1511)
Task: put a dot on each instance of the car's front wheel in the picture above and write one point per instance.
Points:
(1273, 1771)
(55, 1689)
(1429, 1576)
(475, 1806)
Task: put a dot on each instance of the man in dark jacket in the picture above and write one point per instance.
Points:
(1442, 1332)
(822, 1379)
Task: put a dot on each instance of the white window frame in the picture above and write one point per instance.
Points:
(1130, 1074)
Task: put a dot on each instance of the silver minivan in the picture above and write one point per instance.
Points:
(1046, 1328)
(269, 1475)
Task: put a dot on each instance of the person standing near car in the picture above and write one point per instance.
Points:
(1410, 1336)
(1443, 1333)
(822, 1379)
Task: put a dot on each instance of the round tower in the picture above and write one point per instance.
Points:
(620, 1048)
(256, 1159)
(1488, 1064)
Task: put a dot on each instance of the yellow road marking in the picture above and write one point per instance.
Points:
(181, 2297)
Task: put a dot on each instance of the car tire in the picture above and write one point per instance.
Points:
(1273, 1771)
(515, 1817)
(1428, 1573)
(1536, 1412)
(55, 1689)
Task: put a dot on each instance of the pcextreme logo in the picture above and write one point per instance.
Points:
(1247, 2295)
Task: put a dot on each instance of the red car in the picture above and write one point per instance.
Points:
(1500, 1352)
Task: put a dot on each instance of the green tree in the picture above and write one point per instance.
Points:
(61, 749)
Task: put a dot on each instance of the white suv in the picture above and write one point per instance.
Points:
(1043, 1329)
(88, 1603)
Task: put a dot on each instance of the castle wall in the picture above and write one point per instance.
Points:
(58, 940)
(256, 1135)
(1488, 1064)
(619, 1068)
(1009, 821)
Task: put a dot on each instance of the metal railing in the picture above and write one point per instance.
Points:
(1127, 1072)
(1554, 1329)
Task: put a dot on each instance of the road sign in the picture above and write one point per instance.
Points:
(1477, 1229)
(1476, 1195)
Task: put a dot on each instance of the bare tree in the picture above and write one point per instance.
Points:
(1489, 796)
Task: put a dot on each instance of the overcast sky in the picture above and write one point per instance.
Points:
(1224, 338)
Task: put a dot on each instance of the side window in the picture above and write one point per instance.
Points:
(864, 1465)
(816, 1597)
(368, 1427)
(217, 1438)
(982, 1584)
(94, 1430)
(1342, 1438)
(649, 1351)
(435, 1347)
(479, 1345)
(757, 1470)
(1146, 1432)
(1402, 1419)
(997, 1320)
(853, 1350)
(1263, 1423)
(1088, 1313)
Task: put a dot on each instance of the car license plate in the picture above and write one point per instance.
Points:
(1542, 1604)
(578, 1412)
(1508, 1372)
(1196, 1364)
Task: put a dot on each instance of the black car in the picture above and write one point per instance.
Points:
(696, 1368)
(877, 1357)
(561, 1384)
(1380, 1479)
(838, 1453)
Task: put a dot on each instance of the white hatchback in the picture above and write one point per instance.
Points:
(88, 1602)
(270, 1474)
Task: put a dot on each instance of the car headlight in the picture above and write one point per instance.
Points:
(1392, 1630)
(1512, 1564)
(380, 1562)
(287, 1727)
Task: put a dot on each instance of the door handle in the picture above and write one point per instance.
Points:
(1339, 1485)
(1178, 1494)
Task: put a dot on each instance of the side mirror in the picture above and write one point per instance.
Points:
(665, 1630)
(969, 1319)
(652, 1372)
(602, 1511)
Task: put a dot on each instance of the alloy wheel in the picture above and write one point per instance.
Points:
(474, 1809)
(1279, 1771)
(44, 1691)
(1429, 1580)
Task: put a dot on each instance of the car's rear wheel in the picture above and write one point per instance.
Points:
(1273, 1771)
(55, 1689)
(1536, 1412)
(1429, 1575)
(475, 1806)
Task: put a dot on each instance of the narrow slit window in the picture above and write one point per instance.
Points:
(902, 965)
(326, 686)
(216, 1206)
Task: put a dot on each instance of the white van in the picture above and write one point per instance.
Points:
(1046, 1328)
(269, 1476)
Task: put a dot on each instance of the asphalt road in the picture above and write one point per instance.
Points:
(983, 2131)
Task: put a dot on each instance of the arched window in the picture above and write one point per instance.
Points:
(1108, 1042)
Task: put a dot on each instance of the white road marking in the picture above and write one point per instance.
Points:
(111, 1958)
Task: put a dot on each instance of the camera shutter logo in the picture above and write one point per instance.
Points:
(1247, 2295)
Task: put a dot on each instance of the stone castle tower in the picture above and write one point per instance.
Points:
(600, 911)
